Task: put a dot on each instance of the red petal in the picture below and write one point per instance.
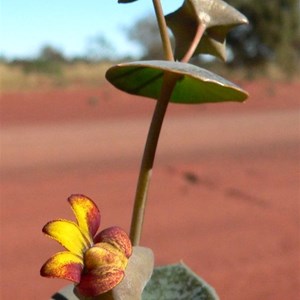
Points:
(116, 237)
(99, 281)
(64, 265)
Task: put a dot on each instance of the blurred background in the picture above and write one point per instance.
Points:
(225, 196)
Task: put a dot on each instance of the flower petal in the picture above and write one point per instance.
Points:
(99, 281)
(116, 237)
(104, 254)
(68, 234)
(64, 265)
(87, 214)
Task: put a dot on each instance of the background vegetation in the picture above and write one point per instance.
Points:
(269, 46)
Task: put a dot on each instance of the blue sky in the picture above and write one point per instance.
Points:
(69, 25)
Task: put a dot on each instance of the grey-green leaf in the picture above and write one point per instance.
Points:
(173, 282)
(196, 85)
(137, 274)
(216, 15)
(177, 282)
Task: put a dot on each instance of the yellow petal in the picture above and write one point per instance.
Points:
(99, 281)
(116, 237)
(63, 265)
(104, 254)
(68, 234)
(87, 215)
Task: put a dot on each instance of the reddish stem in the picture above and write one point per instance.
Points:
(199, 33)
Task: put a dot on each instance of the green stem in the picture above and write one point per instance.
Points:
(169, 82)
(161, 21)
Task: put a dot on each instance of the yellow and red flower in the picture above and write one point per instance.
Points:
(95, 263)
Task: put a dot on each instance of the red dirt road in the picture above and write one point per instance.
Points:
(224, 196)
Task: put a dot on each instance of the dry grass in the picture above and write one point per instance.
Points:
(91, 74)
(13, 78)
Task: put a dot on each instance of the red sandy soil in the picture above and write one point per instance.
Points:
(224, 196)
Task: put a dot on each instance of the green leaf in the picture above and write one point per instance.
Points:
(177, 282)
(195, 85)
(217, 16)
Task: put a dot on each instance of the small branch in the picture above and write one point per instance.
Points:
(199, 33)
(169, 82)
(163, 30)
